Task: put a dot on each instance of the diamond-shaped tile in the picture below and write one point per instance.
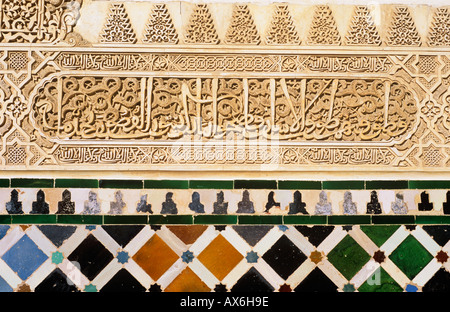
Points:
(57, 234)
(122, 234)
(379, 234)
(123, 281)
(56, 281)
(440, 282)
(316, 281)
(284, 257)
(410, 256)
(92, 256)
(24, 257)
(380, 281)
(187, 234)
(439, 233)
(252, 281)
(187, 281)
(220, 257)
(252, 234)
(348, 257)
(4, 286)
(155, 257)
(315, 234)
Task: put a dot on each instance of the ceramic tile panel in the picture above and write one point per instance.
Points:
(231, 258)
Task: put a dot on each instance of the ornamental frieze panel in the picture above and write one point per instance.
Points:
(275, 86)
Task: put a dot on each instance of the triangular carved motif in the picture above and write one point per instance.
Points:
(282, 29)
(201, 27)
(118, 28)
(403, 31)
(362, 29)
(242, 28)
(160, 28)
(439, 33)
(323, 30)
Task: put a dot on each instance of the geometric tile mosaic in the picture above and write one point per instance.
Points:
(95, 258)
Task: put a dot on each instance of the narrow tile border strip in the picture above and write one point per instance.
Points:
(225, 219)
(224, 184)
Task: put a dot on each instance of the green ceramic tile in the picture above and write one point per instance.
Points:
(121, 184)
(303, 219)
(79, 219)
(386, 185)
(252, 219)
(380, 281)
(299, 185)
(410, 256)
(424, 219)
(211, 184)
(350, 219)
(4, 182)
(348, 257)
(125, 219)
(255, 184)
(32, 183)
(170, 219)
(215, 219)
(387, 219)
(166, 184)
(379, 234)
(5, 219)
(33, 219)
(444, 184)
(343, 185)
(76, 183)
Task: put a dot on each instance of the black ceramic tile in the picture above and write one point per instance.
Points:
(57, 234)
(57, 282)
(123, 281)
(391, 219)
(315, 234)
(252, 234)
(252, 281)
(316, 281)
(259, 219)
(92, 257)
(386, 185)
(284, 257)
(123, 234)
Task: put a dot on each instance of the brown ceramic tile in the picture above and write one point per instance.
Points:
(220, 257)
(155, 257)
(188, 234)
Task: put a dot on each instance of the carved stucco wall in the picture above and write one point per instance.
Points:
(183, 86)
(166, 146)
